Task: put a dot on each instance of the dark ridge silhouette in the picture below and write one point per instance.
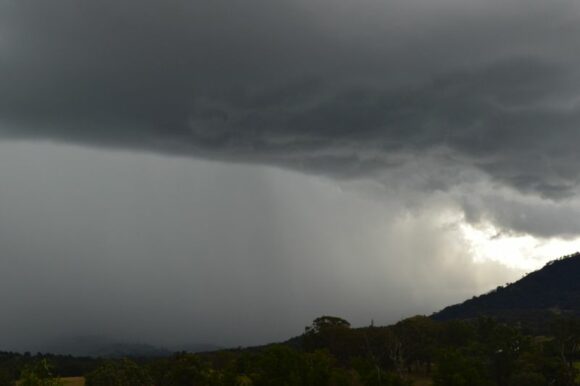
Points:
(533, 300)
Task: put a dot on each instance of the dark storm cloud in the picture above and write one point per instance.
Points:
(337, 87)
(519, 215)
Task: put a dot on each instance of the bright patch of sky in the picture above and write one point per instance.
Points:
(521, 251)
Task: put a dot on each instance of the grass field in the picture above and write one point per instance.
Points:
(74, 381)
(420, 380)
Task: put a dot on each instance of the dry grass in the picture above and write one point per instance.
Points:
(74, 381)
(420, 380)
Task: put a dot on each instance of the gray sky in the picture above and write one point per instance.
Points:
(226, 171)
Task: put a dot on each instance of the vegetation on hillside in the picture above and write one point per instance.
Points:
(531, 301)
(331, 353)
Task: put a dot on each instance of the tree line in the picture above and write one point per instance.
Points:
(480, 352)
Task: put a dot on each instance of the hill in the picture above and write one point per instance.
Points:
(97, 346)
(532, 300)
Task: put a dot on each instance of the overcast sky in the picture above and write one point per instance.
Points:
(226, 171)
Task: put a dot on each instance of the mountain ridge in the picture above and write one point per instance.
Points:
(538, 296)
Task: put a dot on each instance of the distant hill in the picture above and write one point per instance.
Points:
(532, 300)
(197, 347)
(104, 347)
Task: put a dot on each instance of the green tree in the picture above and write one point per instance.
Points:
(325, 322)
(119, 373)
(369, 375)
(335, 335)
(189, 370)
(455, 369)
(566, 332)
(417, 337)
(280, 366)
(39, 374)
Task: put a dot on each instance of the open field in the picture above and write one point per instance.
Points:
(420, 380)
(74, 381)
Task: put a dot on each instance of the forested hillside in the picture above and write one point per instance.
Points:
(531, 301)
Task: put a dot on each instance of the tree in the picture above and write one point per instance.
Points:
(280, 366)
(325, 322)
(333, 334)
(369, 375)
(455, 369)
(188, 370)
(119, 373)
(417, 338)
(566, 332)
(39, 374)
